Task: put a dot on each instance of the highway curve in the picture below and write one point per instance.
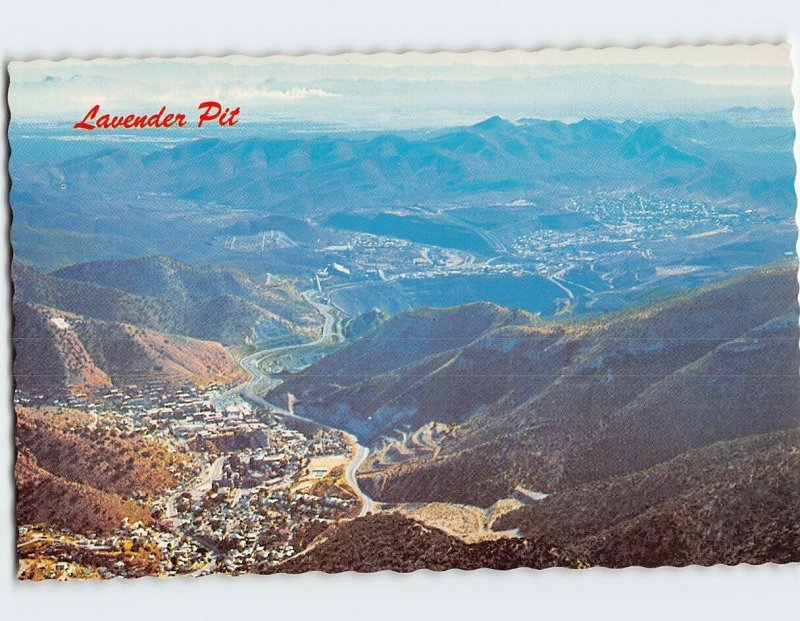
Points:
(331, 333)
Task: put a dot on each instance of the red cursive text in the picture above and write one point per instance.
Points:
(95, 120)
(209, 112)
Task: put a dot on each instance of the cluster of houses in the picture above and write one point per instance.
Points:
(248, 528)
(234, 513)
(134, 550)
(249, 515)
(623, 218)
(372, 257)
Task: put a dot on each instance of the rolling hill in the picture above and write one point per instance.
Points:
(82, 473)
(196, 195)
(551, 405)
(59, 353)
(378, 381)
(45, 498)
(731, 502)
(392, 542)
(170, 296)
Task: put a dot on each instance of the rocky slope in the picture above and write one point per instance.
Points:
(731, 502)
(82, 473)
(171, 296)
(57, 352)
(397, 543)
(551, 405)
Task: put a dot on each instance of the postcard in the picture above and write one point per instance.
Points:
(405, 311)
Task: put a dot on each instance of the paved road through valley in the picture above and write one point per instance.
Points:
(331, 333)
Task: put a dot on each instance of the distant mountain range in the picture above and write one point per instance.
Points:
(182, 200)
(551, 405)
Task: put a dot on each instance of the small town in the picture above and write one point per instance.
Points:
(255, 491)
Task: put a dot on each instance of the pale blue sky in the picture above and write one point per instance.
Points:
(390, 91)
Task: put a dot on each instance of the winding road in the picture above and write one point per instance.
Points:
(359, 455)
(331, 333)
